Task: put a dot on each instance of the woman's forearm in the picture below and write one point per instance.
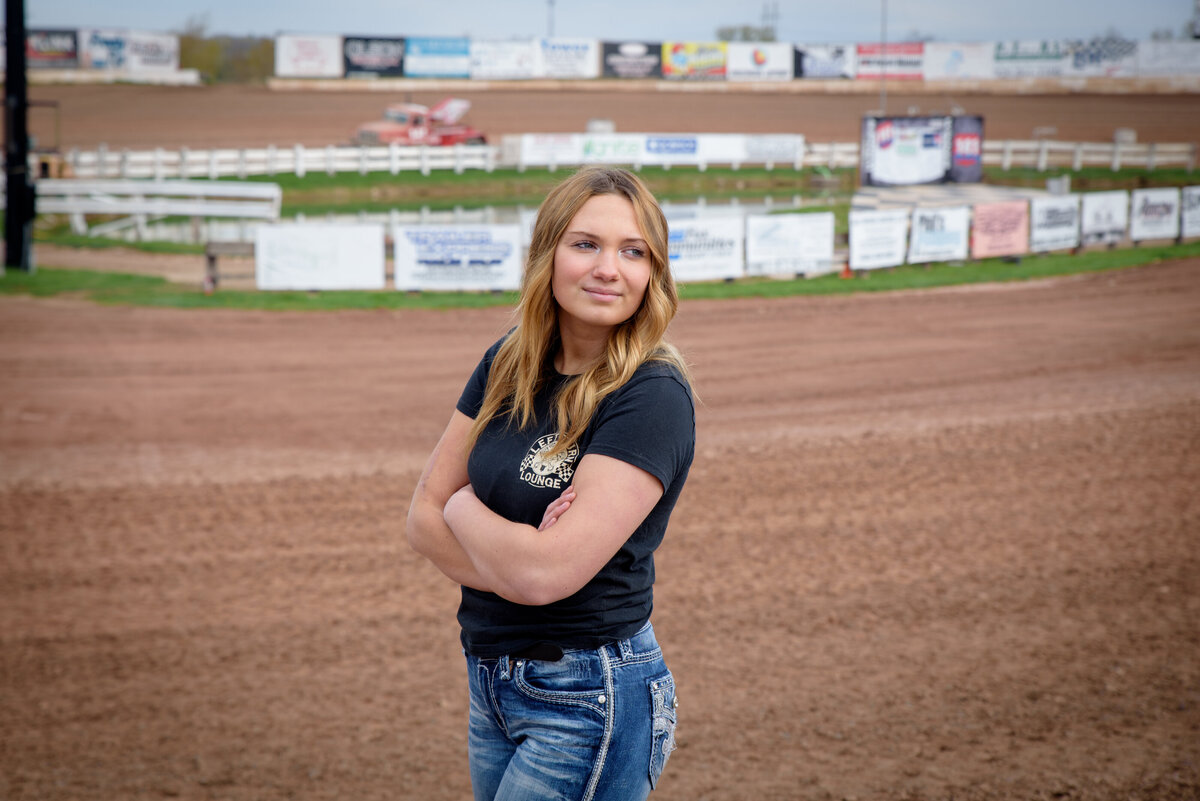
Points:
(429, 536)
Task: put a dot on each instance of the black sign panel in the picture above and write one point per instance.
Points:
(372, 57)
(632, 59)
(47, 49)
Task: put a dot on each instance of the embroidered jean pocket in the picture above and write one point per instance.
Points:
(663, 706)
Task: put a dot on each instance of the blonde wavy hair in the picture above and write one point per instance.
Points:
(518, 371)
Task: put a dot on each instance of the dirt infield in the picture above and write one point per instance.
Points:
(145, 117)
(935, 545)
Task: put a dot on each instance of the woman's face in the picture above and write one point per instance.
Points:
(601, 266)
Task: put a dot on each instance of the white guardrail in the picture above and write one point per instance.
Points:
(161, 164)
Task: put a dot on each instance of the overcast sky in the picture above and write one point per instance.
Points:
(810, 21)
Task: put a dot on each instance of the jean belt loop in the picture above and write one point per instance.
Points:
(626, 648)
(504, 668)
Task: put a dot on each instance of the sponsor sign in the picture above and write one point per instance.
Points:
(457, 257)
(789, 243)
(1105, 217)
(556, 149)
(128, 51)
(1046, 58)
(319, 256)
(694, 60)
(1054, 223)
(51, 49)
(1103, 57)
(899, 61)
(570, 58)
(946, 61)
(966, 150)
(707, 248)
(632, 59)
(759, 61)
(939, 234)
(612, 148)
(826, 61)
(1167, 58)
(905, 150)
(308, 56)
(877, 238)
(1189, 223)
(437, 57)
(372, 57)
(1000, 229)
(1154, 214)
(506, 60)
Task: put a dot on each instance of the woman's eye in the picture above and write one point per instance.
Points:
(635, 253)
(584, 245)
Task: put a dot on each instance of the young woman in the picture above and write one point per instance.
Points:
(547, 496)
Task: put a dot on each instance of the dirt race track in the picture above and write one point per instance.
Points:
(936, 545)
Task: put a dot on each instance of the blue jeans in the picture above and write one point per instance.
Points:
(597, 725)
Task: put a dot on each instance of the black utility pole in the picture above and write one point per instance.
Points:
(19, 192)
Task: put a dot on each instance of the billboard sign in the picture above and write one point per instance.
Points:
(570, 58)
(308, 56)
(319, 256)
(632, 59)
(1054, 223)
(372, 57)
(694, 60)
(903, 61)
(1046, 58)
(759, 61)
(707, 248)
(825, 61)
(506, 60)
(898, 151)
(792, 244)
(1000, 229)
(1189, 222)
(945, 61)
(457, 257)
(1154, 214)
(1107, 57)
(877, 238)
(939, 234)
(437, 57)
(51, 49)
(1105, 217)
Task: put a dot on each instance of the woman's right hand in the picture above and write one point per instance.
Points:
(556, 508)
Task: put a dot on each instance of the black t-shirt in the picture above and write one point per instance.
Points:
(650, 423)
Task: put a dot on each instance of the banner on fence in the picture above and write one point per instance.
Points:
(789, 244)
(570, 58)
(905, 150)
(1000, 229)
(1156, 58)
(825, 61)
(877, 238)
(694, 60)
(1154, 214)
(1054, 223)
(632, 59)
(759, 61)
(130, 51)
(632, 148)
(319, 256)
(1189, 217)
(1045, 58)
(945, 61)
(372, 57)
(505, 60)
(51, 49)
(903, 61)
(437, 57)
(707, 248)
(966, 150)
(298, 56)
(939, 234)
(1105, 217)
(457, 257)
(1109, 57)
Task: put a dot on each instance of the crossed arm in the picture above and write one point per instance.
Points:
(579, 532)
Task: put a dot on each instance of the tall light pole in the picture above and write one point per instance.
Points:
(883, 56)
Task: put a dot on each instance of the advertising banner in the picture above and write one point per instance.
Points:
(1109, 57)
(1047, 58)
(319, 256)
(1054, 223)
(966, 150)
(1154, 214)
(694, 60)
(899, 151)
(1000, 229)
(505, 60)
(634, 148)
(945, 61)
(1105, 217)
(791, 244)
(826, 61)
(457, 257)
(632, 59)
(1161, 59)
(51, 49)
(1189, 222)
(437, 57)
(903, 61)
(707, 248)
(372, 57)
(128, 51)
(759, 61)
(570, 58)
(877, 238)
(308, 56)
(939, 234)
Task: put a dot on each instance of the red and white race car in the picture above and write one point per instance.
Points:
(413, 124)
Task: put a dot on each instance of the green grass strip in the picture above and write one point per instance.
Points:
(138, 290)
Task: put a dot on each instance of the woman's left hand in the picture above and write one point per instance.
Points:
(556, 508)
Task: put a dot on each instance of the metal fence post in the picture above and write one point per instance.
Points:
(183, 163)
(1006, 160)
(1043, 155)
(329, 166)
(298, 167)
(1077, 162)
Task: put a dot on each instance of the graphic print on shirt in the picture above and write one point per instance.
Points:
(540, 470)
